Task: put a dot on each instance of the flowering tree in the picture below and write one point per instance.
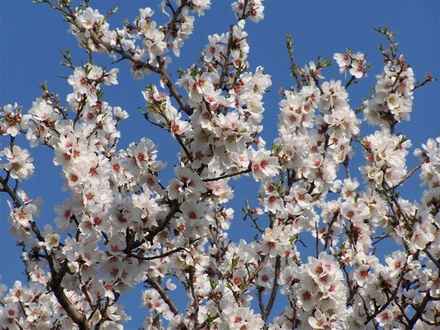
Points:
(121, 226)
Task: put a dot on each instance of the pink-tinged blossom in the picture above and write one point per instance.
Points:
(254, 9)
(17, 162)
(393, 95)
(11, 119)
(126, 222)
(263, 165)
(386, 157)
(354, 63)
(89, 18)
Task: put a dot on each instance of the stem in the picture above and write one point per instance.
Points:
(225, 176)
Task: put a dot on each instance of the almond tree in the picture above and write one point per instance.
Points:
(121, 226)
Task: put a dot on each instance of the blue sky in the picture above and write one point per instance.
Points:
(32, 37)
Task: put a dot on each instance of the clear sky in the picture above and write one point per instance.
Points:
(32, 37)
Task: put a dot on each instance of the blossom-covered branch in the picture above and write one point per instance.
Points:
(123, 227)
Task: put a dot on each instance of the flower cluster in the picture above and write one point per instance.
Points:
(254, 9)
(320, 293)
(18, 162)
(144, 38)
(354, 63)
(393, 94)
(10, 120)
(314, 143)
(386, 158)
